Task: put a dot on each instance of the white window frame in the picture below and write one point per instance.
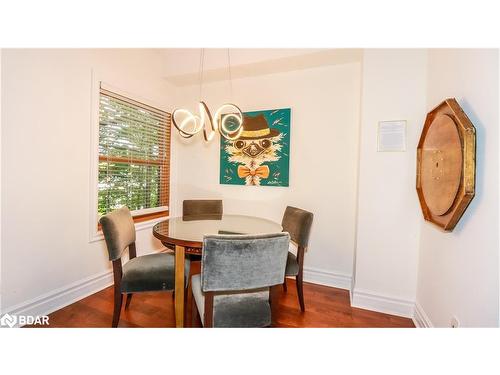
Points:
(97, 82)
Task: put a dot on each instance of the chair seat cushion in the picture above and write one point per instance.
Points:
(235, 309)
(292, 266)
(150, 273)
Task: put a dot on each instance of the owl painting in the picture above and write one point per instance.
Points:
(260, 156)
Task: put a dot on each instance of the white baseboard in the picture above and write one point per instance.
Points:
(420, 318)
(64, 296)
(328, 278)
(389, 305)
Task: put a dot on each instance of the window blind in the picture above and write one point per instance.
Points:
(134, 155)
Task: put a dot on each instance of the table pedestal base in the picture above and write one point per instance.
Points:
(179, 286)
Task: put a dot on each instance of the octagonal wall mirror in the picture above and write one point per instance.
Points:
(446, 165)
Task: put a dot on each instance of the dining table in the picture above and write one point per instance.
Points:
(185, 235)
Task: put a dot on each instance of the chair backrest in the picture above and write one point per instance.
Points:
(243, 262)
(200, 207)
(119, 231)
(298, 223)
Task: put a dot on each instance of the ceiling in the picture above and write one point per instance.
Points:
(182, 66)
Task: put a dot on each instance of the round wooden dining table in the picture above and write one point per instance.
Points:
(186, 234)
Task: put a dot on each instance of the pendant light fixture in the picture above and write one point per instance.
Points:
(189, 124)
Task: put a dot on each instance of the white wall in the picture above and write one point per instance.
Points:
(388, 209)
(46, 167)
(458, 271)
(323, 159)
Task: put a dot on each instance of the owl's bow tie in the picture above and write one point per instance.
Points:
(262, 171)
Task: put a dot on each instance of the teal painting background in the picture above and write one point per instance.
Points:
(279, 119)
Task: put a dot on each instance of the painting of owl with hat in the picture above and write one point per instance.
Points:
(261, 155)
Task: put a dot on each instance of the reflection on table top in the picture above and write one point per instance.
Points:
(189, 230)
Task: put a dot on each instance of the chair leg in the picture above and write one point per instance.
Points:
(118, 307)
(285, 287)
(195, 318)
(129, 298)
(300, 291)
(273, 302)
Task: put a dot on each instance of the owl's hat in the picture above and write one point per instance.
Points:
(256, 127)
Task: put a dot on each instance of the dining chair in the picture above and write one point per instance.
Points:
(146, 273)
(297, 223)
(238, 277)
(191, 208)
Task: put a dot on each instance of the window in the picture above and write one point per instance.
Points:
(134, 157)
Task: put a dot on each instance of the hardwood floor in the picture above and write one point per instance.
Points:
(325, 307)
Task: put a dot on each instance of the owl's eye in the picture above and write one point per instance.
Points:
(265, 143)
(239, 144)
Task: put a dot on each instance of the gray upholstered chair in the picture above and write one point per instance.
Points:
(298, 223)
(154, 272)
(237, 276)
(193, 208)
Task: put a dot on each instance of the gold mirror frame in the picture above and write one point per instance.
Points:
(433, 192)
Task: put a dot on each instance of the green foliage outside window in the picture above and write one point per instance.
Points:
(131, 153)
